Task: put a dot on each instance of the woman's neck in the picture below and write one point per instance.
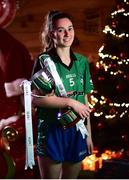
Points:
(64, 54)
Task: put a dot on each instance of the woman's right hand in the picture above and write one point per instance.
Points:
(81, 109)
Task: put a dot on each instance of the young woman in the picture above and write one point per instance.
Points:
(60, 150)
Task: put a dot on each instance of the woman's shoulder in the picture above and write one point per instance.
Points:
(42, 55)
(81, 57)
(38, 64)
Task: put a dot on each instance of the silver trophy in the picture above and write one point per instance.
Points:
(43, 80)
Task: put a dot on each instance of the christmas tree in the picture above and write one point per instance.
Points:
(110, 98)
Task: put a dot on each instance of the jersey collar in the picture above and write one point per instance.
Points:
(53, 54)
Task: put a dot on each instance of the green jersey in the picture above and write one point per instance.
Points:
(75, 77)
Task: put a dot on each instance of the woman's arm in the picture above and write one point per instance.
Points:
(89, 138)
(88, 118)
(53, 101)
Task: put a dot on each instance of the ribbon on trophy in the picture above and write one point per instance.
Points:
(49, 64)
(28, 125)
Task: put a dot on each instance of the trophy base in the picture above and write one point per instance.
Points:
(68, 119)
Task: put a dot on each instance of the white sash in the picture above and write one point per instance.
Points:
(28, 125)
(49, 64)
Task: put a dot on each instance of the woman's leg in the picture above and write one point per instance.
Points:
(70, 170)
(48, 168)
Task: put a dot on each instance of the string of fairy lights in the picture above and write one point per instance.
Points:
(118, 61)
(113, 32)
(126, 1)
(114, 58)
(103, 101)
(118, 12)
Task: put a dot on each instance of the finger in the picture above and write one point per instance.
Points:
(86, 114)
(83, 115)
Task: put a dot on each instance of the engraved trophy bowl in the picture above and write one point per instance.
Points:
(43, 80)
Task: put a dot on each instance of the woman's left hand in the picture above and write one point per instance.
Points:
(90, 144)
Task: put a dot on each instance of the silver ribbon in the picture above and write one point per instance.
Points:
(28, 125)
(81, 126)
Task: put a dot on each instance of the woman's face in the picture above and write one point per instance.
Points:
(63, 33)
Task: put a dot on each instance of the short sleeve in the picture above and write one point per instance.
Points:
(38, 64)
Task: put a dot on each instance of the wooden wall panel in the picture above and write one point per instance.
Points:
(29, 17)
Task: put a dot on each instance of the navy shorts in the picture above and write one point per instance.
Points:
(61, 144)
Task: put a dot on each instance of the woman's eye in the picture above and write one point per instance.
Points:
(60, 30)
(70, 29)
